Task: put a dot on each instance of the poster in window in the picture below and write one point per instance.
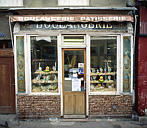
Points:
(76, 84)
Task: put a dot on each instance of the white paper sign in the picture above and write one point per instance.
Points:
(81, 65)
(76, 85)
(81, 68)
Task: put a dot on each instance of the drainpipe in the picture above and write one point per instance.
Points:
(130, 4)
(134, 69)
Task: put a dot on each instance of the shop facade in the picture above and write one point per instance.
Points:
(73, 66)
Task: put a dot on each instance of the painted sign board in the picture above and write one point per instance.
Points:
(72, 18)
(73, 26)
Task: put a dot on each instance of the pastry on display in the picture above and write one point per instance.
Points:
(101, 70)
(46, 69)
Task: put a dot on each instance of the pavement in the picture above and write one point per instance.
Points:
(10, 121)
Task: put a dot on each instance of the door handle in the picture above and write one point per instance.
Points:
(13, 84)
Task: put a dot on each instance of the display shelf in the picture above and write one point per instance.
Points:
(38, 89)
(99, 74)
(34, 81)
(46, 73)
(43, 60)
(106, 82)
(103, 89)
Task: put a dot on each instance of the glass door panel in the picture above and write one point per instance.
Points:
(74, 70)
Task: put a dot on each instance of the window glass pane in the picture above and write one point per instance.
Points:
(1, 45)
(126, 63)
(73, 2)
(44, 64)
(9, 44)
(11, 3)
(5, 44)
(103, 64)
(20, 63)
(74, 70)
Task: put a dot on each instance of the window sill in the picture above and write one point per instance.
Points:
(109, 93)
(39, 93)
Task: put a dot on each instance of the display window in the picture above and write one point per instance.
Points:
(126, 63)
(103, 62)
(44, 64)
(20, 64)
(108, 63)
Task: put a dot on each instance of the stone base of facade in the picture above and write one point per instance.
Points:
(35, 106)
(101, 106)
(110, 105)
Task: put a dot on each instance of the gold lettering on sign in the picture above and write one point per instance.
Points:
(46, 25)
(70, 26)
(108, 25)
(98, 26)
(84, 25)
(91, 26)
(55, 26)
(39, 26)
(75, 26)
(62, 26)
(104, 25)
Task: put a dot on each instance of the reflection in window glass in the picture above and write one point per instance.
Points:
(5, 44)
(74, 70)
(44, 64)
(126, 63)
(103, 64)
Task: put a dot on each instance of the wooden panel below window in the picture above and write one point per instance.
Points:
(74, 103)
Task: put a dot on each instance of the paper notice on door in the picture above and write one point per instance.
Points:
(76, 85)
(81, 68)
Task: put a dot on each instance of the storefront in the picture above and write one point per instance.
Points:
(73, 66)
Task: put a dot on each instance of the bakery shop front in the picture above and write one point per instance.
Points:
(73, 66)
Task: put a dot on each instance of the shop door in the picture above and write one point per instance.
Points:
(7, 87)
(74, 77)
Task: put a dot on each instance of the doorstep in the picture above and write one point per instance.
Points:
(76, 120)
(94, 119)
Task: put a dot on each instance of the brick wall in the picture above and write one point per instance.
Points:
(110, 105)
(38, 106)
(49, 106)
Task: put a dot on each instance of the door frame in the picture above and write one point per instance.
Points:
(74, 49)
